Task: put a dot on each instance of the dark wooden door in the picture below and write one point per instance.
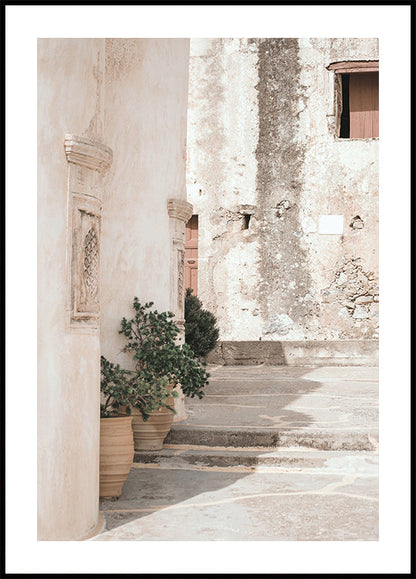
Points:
(191, 254)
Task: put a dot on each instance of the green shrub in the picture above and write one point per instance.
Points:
(201, 331)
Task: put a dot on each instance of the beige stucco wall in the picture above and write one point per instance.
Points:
(146, 84)
(68, 358)
(262, 141)
(129, 95)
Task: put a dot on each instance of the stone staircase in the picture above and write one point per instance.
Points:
(266, 416)
(250, 458)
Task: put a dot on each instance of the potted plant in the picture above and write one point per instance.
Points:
(159, 366)
(116, 434)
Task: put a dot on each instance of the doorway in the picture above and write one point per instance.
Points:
(191, 254)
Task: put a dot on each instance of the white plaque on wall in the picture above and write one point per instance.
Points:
(331, 224)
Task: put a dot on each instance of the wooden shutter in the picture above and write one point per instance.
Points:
(363, 105)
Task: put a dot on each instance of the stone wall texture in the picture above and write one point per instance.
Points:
(262, 142)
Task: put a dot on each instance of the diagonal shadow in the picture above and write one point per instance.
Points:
(247, 410)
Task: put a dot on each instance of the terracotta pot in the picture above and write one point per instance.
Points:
(150, 434)
(116, 454)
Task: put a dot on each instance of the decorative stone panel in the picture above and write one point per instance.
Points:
(181, 272)
(87, 160)
(85, 267)
(180, 212)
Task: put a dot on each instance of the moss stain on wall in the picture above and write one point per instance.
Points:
(283, 269)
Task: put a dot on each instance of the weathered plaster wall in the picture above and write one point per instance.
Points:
(340, 177)
(262, 141)
(222, 139)
(146, 84)
(68, 358)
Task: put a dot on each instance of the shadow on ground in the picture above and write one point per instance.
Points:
(245, 411)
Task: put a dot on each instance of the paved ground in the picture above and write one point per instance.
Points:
(271, 453)
(323, 408)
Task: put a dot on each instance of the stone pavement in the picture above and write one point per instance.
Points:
(270, 453)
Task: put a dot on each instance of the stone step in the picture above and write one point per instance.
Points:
(190, 457)
(272, 438)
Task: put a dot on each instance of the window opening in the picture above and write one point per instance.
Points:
(246, 220)
(357, 99)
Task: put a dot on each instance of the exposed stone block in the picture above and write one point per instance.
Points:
(280, 324)
(360, 313)
(364, 300)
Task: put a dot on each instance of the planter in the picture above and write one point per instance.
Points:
(150, 434)
(116, 454)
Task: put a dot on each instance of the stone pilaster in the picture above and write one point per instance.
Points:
(180, 212)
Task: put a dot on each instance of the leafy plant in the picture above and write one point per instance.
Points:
(160, 363)
(201, 331)
(127, 389)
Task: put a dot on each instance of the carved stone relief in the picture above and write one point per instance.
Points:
(91, 258)
(181, 274)
(87, 159)
(88, 153)
(180, 212)
(85, 270)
